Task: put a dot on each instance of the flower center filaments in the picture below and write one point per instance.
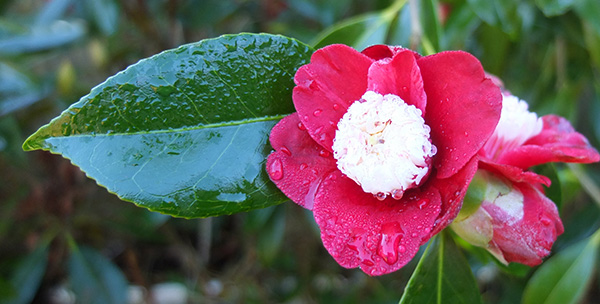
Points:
(383, 144)
(515, 127)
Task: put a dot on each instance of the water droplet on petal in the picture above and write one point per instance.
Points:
(286, 151)
(336, 106)
(301, 126)
(303, 166)
(422, 204)
(545, 220)
(414, 235)
(276, 170)
(324, 153)
(397, 194)
(466, 133)
(317, 112)
(401, 249)
(380, 196)
(391, 235)
(405, 89)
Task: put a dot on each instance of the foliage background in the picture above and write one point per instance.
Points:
(60, 231)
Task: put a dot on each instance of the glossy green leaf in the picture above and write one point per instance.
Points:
(443, 275)
(185, 131)
(363, 30)
(28, 275)
(553, 7)
(94, 278)
(564, 277)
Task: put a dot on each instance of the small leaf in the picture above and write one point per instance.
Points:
(94, 278)
(185, 131)
(363, 30)
(552, 8)
(28, 276)
(443, 275)
(105, 14)
(564, 277)
(17, 90)
(553, 192)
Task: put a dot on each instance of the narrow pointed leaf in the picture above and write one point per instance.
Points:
(564, 278)
(185, 132)
(443, 275)
(94, 278)
(363, 30)
(28, 275)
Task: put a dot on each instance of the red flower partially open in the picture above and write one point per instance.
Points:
(454, 107)
(516, 222)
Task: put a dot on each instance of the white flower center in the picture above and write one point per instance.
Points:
(383, 145)
(515, 127)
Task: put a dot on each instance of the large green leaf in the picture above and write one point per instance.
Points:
(563, 278)
(443, 275)
(185, 132)
(94, 278)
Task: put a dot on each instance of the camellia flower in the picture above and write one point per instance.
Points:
(515, 221)
(382, 147)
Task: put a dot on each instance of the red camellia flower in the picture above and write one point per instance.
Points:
(516, 222)
(382, 147)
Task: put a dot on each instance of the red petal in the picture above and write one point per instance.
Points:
(463, 107)
(335, 77)
(380, 51)
(377, 236)
(515, 174)
(452, 191)
(400, 76)
(298, 164)
(558, 142)
(530, 239)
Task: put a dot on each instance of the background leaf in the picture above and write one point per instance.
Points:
(185, 131)
(94, 278)
(442, 276)
(564, 277)
(28, 275)
(362, 31)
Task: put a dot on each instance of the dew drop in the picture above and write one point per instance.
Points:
(286, 151)
(401, 249)
(414, 235)
(336, 106)
(457, 193)
(303, 166)
(380, 196)
(276, 170)
(305, 117)
(391, 235)
(422, 204)
(324, 153)
(317, 112)
(466, 133)
(301, 127)
(405, 89)
(545, 220)
(397, 194)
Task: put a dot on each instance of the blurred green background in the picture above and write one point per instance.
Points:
(62, 237)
